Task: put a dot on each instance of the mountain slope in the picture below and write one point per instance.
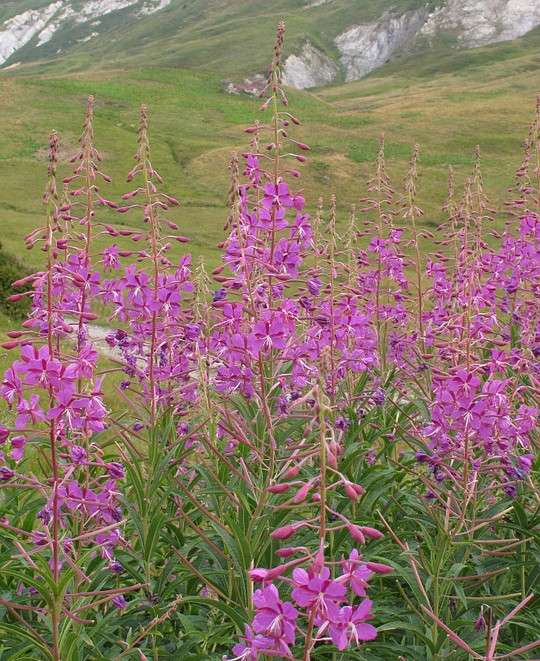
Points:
(446, 102)
(328, 40)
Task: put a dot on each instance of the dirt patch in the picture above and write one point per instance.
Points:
(66, 152)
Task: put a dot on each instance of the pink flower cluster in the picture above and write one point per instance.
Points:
(324, 609)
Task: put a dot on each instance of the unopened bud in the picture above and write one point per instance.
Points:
(356, 533)
(284, 532)
(301, 494)
(279, 488)
(379, 568)
(372, 532)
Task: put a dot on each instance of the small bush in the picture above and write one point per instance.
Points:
(11, 270)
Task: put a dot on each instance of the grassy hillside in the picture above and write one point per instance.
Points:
(208, 34)
(445, 106)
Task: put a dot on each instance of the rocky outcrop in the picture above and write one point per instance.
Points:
(252, 86)
(364, 48)
(310, 68)
(480, 22)
(316, 3)
(153, 6)
(21, 29)
(87, 12)
(41, 25)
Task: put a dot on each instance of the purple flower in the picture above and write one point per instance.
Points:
(319, 592)
(110, 258)
(273, 617)
(355, 573)
(11, 389)
(116, 470)
(272, 218)
(29, 412)
(271, 331)
(277, 196)
(252, 647)
(17, 448)
(349, 627)
(78, 455)
(119, 602)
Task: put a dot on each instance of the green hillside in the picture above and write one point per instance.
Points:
(447, 104)
(224, 37)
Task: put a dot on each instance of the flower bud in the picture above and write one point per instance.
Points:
(301, 494)
(128, 196)
(287, 551)
(379, 568)
(351, 492)
(331, 459)
(15, 297)
(9, 345)
(284, 532)
(480, 623)
(279, 488)
(292, 472)
(356, 533)
(372, 532)
(6, 474)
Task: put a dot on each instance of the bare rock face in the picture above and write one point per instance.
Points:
(316, 3)
(364, 48)
(252, 86)
(38, 26)
(310, 68)
(19, 30)
(474, 23)
(481, 22)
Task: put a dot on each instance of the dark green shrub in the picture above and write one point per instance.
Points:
(11, 269)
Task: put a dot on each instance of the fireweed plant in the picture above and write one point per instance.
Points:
(330, 453)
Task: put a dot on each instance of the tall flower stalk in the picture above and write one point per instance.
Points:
(58, 408)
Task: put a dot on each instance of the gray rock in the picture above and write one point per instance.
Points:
(310, 68)
(364, 48)
(252, 86)
(480, 22)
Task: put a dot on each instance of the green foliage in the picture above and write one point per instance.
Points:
(11, 269)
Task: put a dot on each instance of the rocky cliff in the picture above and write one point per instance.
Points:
(367, 46)
(38, 26)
